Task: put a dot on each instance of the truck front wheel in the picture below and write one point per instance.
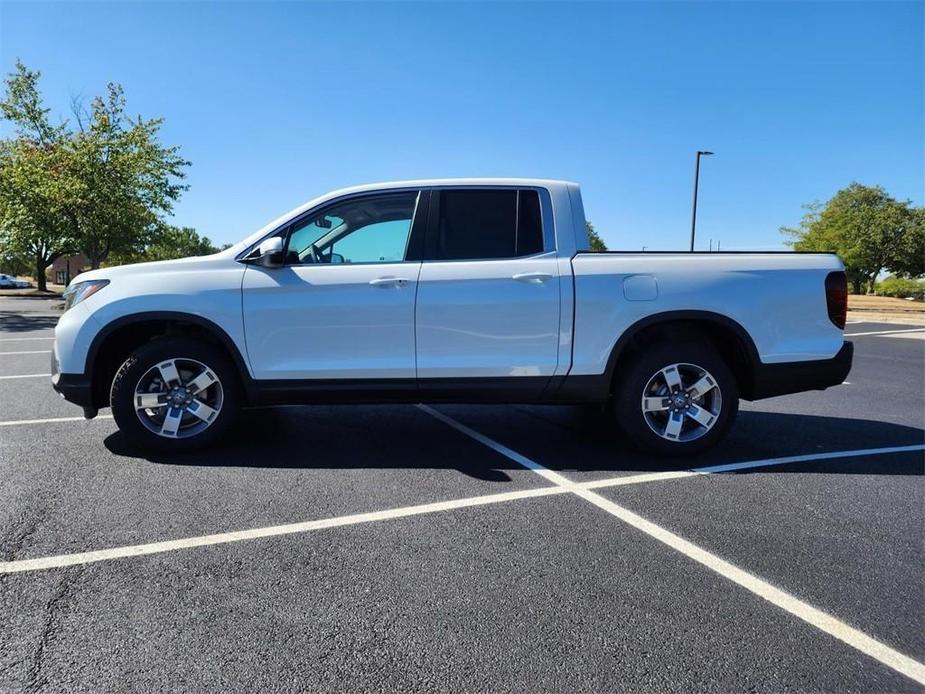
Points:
(675, 400)
(175, 394)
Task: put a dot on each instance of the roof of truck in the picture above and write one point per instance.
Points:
(387, 185)
(432, 182)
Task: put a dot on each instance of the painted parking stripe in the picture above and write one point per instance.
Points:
(906, 336)
(50, 420)
(561, 483)
(561, 486)
(35, 351)
(886, 332)
(798, 608)
(767, 462)
(823, 621)
(7, 378)
(731, 467)
(272, 531)
(24, 339)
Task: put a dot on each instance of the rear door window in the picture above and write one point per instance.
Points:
(487, 224)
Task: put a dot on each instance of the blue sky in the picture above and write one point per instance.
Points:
(275, 103)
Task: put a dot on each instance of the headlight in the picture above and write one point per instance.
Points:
(78, 291)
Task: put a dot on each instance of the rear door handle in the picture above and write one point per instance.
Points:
(533, 277)
(389, 282)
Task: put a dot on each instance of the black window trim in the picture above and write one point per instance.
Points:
(546, 223)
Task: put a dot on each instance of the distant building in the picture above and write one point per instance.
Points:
(66, 268)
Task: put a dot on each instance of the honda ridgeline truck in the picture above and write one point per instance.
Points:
(464, 291)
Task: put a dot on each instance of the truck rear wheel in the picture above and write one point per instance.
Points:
(175, 394)
(675, 400)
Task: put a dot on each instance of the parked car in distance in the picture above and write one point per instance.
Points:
(465, 290)
(10, 282)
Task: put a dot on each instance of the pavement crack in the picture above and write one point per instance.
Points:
(28, 524)
(35, 679)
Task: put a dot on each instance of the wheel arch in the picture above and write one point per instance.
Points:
(729, 337)
(120, 337)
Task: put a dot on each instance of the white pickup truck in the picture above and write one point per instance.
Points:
(468, 290)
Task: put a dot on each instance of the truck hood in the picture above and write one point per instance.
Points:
(159, 266)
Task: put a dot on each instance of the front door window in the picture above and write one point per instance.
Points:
(373, 229)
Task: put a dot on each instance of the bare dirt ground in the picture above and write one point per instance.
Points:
(885, 310)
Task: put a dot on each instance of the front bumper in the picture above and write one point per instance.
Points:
(75, 388)
(798, 376)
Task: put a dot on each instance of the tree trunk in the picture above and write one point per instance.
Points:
(40, 266)
(856, 285)
(872, 282)
(93, 256)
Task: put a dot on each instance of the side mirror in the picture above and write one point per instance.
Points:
(270, 253)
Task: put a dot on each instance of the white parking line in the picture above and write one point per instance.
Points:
(886, 332)
(7, 378)
(561, 485)
(37, 351)
(832, 455)
(823, 621)
(798, 608)
(24, 339)
(907, 336)
(732, 467)
(50, 420)
(273, 531)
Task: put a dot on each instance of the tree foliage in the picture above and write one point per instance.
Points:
(901, 288)
(597, 243)
(167, 242)
(869, 229)
(101, 186)
(35, 182)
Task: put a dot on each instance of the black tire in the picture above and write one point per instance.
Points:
(636, 373)
(147, 357)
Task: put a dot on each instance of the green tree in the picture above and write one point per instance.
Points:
(909, 258)
(597, 243)
(178, 242)
(129, 180)
(36, 179)
(167, 242)
(101, 187)
(868, 228)
(34, 219)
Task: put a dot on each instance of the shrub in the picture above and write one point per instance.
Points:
(901, 288)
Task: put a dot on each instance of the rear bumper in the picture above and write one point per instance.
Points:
(798, 376)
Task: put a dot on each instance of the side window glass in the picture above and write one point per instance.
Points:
(486, 224)
(529, 223)
(373, 229)
(476, 224)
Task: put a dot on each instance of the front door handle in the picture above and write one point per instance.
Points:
(389, 282)
(533, 277)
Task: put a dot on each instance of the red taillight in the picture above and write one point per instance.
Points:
(836, 298)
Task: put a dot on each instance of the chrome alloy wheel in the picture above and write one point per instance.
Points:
(681, 402)
(178, 398)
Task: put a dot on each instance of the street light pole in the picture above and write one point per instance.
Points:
(696, 186)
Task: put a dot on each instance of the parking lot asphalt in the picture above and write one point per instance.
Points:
(466, 548)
